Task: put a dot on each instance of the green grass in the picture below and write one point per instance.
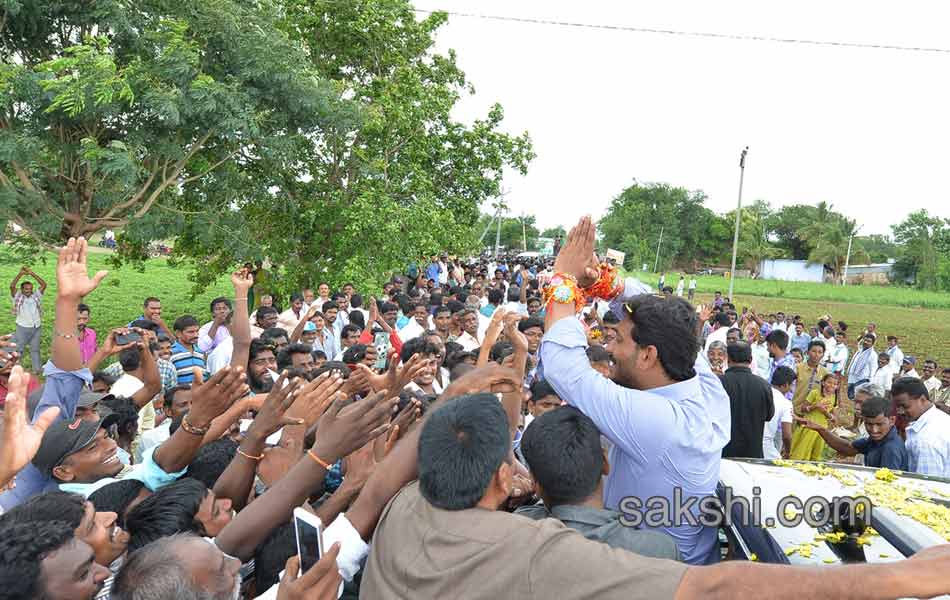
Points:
(118, 299)
(886, 295)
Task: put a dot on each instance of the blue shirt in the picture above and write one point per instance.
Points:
(147, 471)
(889, 452)
(432, 272)
(799, 341)
(184, 360)
(62, 389)
(665, 438)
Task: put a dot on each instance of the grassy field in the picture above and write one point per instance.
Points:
(914, 315)
(119, 299)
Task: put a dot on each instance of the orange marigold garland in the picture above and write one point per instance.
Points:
(608, 286)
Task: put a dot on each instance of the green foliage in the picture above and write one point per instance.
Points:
(926, 249)
(880, 248)
(555, 232)
(637, 216)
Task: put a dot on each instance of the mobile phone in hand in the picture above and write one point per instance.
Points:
(381, 341)
(128, 338)
(309, 530)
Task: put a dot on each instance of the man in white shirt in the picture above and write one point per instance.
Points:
(928, 434)
(863, 365)
(721, 327)
(883, 376)
(827, 335)
(909, 368)
(896, 354)
(777, 434)
(290, 318)
(930, 379)
(692, 288)
(839, 357)
(28, 314)
(468, 319)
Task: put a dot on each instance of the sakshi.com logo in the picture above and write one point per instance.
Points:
(713, 511)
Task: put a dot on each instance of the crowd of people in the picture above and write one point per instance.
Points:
(469, 430)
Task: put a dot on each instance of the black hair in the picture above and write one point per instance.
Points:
(170, 510)
(911, 386)
(442, 309)
(183, 323)
(145, 324)
(461, 446)
(723, 319)
(418, 345)
(540, 389)
(354, 354)
(330, 305)
(435, 299)
(530, 322)
(455, 306)
(495, 296)
(176, 423)
(336, 296)
(296, 296)
(130, 359)
(821, 325)
(333, 365)
(500, 351)
(271, 556)
(563, 451)
(739, 352)
(285, 356)
(814, 343)
(83, 308)
(596, 354)
(260, 345)
(273, 333)
(777, 337)
(386, 307)
(356, 301)
(221, 300)
(125, 415)
(348, 329)
(456, 358)
(169, 395)
(266, 310)
(783, 376)
(451, 347)
(459, 369)
(611, 319)
(668, 324)
(514, 293)
(318, 354)
(357, 318)
(211, 461)
(116, 497)
(51, 506)
(149, 300)
(23, 546)
(104, 378)
(876, 406)
(405, 304)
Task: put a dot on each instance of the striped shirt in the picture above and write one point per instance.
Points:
(185, 360)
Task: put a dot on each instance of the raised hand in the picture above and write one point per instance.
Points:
(271, 415)
(343, 430)
(517, 339)
(321, 582)
(315, 397)
(72, 272)
(19, 440)
(242, 280)
(492, 378)
(210, 399)
(396, 377)
(577, 256)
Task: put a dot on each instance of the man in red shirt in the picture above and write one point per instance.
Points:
(7, 362)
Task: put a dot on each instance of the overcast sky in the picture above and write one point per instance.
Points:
(864, 129)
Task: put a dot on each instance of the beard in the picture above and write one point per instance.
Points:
(260, 385)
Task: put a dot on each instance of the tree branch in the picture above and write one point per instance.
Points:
(22, 176)
(228, 157)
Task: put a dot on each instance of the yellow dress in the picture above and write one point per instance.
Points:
(807, 444)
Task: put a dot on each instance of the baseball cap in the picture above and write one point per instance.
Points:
(89, 398)
(62, 439)
(910, 360)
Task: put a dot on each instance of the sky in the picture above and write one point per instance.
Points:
(863, 129)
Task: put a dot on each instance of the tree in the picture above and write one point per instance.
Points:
(754, 245)
(111, 112)
(786, 224)
(406, 182)
(880, 248)
(555, 232)
(833, 250)
(926, 242)
(511, 232)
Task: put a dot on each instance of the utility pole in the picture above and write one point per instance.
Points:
(524, 235)
(735, 236)
(657, 263)
(847, 260)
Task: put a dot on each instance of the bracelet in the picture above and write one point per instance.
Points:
(240, 299)
(65, 336)
(563, 289)
(608, 286)
(246, 455)
(317, 459)
(189, 428)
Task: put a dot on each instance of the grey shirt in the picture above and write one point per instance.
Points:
(603, 525)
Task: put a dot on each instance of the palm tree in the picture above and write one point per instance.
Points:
(754, 245)
(820, 226)
(833, 251)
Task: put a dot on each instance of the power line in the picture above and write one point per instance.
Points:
(699, 34)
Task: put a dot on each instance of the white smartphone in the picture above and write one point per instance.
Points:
(309, 532)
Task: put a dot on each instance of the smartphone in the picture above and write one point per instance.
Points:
(381, 341)
(128, 338)
(309, 532)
